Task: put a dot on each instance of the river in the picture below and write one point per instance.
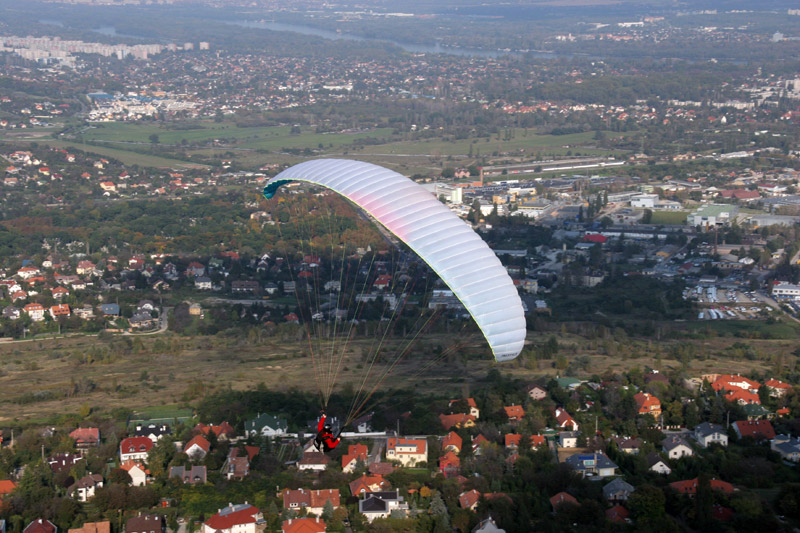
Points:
(413, 48)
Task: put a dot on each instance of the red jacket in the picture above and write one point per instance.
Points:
(326, 437)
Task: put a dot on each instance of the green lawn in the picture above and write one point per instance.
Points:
(748, 329)
(669, 217)
(126, 157)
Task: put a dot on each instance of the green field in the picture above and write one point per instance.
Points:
(756, 329)
(669, 217)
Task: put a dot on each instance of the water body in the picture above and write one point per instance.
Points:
(413, 48)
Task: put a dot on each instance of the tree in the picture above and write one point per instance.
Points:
(647, 506)
(647, 217)
(154, 138)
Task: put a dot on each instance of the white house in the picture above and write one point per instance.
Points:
(408, 452)
(85, 487)
(381, 504)
(656, 464)
(266, 426)
(137, 472)
(707, 434)
(134, 449)
(240, 518)
(675, 447)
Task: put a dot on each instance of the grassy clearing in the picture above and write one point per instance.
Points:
(58, 375)
(669, 217)
(126, 157)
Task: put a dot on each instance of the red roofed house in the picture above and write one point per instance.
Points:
(565, 421)
(561, 498)
(40, 525)
(777, 388)
(355, 453)
(303, 525)
(758, 429)
(515, 413)
(383, 281)
(59, 292)
(59, 310)
(458, 420)
(224, 431)
(740, 194)
(313, 501)
(86, 438)
(617, 514)
(471, 406)
(35, 311)
(408, 452)
(367, 483)
(452, 441)
(6, 487)
(240, 518)
(595, 238)
(449, 464)
(743, 397)
(512, 441)
(648, 404)
(134, 449)
(137, 472)
(729, 382)
(197, 448)
(689, 486)
(469, 500)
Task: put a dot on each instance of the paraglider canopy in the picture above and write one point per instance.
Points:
(463, 261)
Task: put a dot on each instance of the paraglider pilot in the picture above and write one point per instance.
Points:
(325, 440)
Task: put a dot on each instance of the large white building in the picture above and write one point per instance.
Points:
(786, 291)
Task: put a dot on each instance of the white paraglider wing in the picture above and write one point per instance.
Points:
(446, 243)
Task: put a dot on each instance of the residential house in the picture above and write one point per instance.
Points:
(777, 388)
(240, 518)
(471, 406)
(197, 448)
(469, 500)
(12, 313)
(730, 382)
(195, 269)
(85, 487)
(266, 426)
(452, 442)
(303, 525)
(788, 447)
(757, 429)
(62, 462)
(617, 515)
(537, 392)
(707, 434)
(194, 475)
(134, 449)
(109, 309)
(592, 464)
(513, 440)
(7, 487)
(487, 526)
(514, 413)
(356, 453)
(676, 447)
(138, 473)
(689, 486)
(648, 404)
(565, 421)
(408, 452)
(371, 483)
(380, 469)
(381, 504)
(237, 464)
(315, 461)
(146, 523)
(202, 283)
(562, 498)
(35, 311)
(86, 438)
(629, 445)
(450, 464)
(618, 490)
(59, 310)
(223, 431)
(568, 439)
(313, 501)
(40, 525)
(459, 420)
(154, 432)
(655, 463)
